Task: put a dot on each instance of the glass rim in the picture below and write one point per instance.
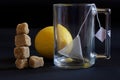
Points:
(74, 4)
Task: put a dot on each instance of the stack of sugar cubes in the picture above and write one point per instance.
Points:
(22, 51)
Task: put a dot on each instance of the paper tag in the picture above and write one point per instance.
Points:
(101, 34)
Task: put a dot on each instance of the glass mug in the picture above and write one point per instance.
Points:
(77, 42)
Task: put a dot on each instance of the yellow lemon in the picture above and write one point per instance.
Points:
(64, 36)
(44, 40)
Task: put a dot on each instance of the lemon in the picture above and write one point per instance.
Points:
(64, 36)
(44, 40)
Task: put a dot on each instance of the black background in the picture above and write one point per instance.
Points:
(38, 13)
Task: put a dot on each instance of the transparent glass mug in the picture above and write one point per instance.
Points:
(75, 43)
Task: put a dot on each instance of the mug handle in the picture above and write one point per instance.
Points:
(107, 13)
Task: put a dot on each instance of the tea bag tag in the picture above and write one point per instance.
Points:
(101, 34)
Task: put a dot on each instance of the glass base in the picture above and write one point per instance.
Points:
(69, 63)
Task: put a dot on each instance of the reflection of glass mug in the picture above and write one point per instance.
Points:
(77, 42)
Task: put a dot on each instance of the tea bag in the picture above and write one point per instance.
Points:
(74, 49)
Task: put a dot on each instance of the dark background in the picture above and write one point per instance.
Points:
(38, 13)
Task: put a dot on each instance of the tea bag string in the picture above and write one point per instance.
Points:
(98, 20)
(84, 20)
(87, 17)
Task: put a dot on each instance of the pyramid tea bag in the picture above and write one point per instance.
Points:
(73, 50)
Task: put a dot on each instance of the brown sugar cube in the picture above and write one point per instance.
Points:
(21, 63)
(22, 28)
(21, 52)
(22, 40)
(35, 62)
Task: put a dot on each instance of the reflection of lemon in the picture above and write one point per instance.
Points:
(44, 40)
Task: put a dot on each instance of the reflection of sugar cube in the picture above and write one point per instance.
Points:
(22, 40)
(36, 61)
(22, 28)
(21, 63)
(101, 34)
(21, 52)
